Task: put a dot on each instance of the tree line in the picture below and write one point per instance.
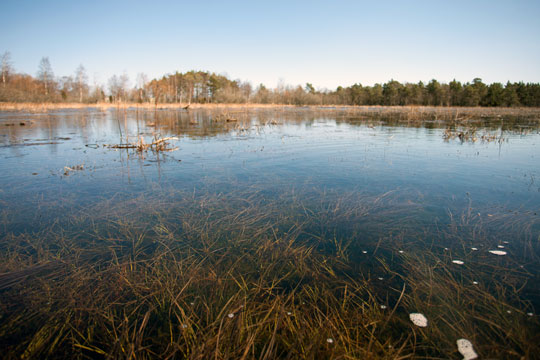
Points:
(207, 87)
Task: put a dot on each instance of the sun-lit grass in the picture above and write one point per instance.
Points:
(411, 112)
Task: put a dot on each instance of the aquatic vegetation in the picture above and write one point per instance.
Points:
(229, 266)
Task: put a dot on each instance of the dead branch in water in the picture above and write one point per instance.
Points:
(160, 144)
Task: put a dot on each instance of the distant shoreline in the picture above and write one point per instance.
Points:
(481, 111)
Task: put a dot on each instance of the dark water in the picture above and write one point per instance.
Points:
(425, 181)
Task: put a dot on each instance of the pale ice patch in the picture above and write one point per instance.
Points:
(498, 252)
(465, 348)
(418, 319)
(459, 262)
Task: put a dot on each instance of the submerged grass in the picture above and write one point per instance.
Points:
(243, 274)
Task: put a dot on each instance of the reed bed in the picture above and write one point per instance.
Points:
(408, 112)
(245, 273)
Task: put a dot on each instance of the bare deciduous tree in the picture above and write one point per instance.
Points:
(118, 87)
(142, 81)
(81, 78)
(45, 74)
(6, 67)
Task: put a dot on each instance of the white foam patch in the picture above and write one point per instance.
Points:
(459, 262)
(418, 319)
(498, 252)
(465, 348)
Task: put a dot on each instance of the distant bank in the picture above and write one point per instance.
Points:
(410, 111)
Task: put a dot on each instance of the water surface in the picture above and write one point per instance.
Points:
(383, 186)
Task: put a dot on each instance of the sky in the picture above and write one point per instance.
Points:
(326, 43)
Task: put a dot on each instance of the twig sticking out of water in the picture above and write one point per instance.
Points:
(160, 144)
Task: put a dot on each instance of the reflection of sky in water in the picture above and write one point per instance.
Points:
(303, 151)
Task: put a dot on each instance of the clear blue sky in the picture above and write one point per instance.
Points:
(327, 43)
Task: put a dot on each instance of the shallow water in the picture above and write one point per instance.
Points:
(275, 151)
(422, 192)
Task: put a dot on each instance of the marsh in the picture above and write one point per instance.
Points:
(303, 224)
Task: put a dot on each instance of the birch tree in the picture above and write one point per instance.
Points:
(81, 80)
(45, 74)
(6, 67)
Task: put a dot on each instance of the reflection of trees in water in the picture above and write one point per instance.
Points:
(93, 124)
(204, 123)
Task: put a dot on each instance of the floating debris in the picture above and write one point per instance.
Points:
(459, 262)
(465, 348)
(474, 249)
(159, 144)
(68, 169)
(330, 340)
(498, 252)
(418, 319)
(500, 246)
(231, 315)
